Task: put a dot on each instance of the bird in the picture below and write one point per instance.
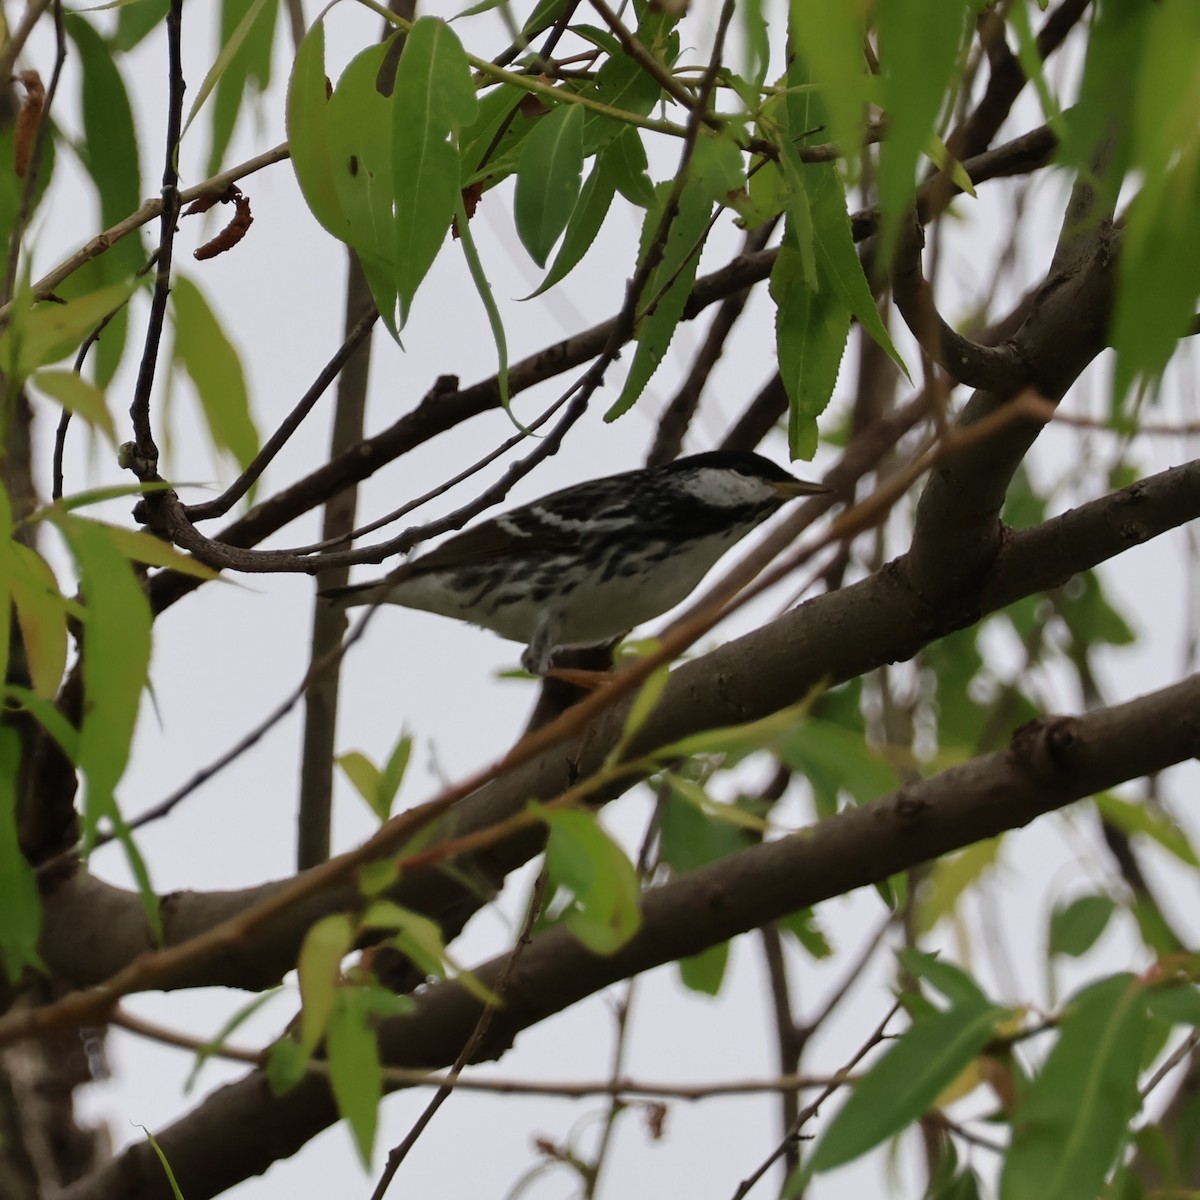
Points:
(583, 566)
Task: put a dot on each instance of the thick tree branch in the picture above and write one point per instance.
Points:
(831, 638)
(241, 1129)
(958, 530)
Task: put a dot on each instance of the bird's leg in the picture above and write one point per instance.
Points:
(539, 652)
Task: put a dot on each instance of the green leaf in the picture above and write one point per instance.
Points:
(137, 19)
(354, 1069)
(583, 860)
(51, 331)
(78, 396)
(434, 99)
(624, 159)
(901, 1086)
(837, 256)
(919, 46)
(669, 285)
(1073, 1120)
(803, 927)
(1159, 275)
(116, 660)
(363, 774)
(1178, 1002)
(829, 41)
(59, 728)
(247, 36)
(217, 1042)
(286, 1065)
(109, 152)
(644, 703)
(495, 321)
(308, 133)
(953, 982)
(162, 1159)
(811, 328)
(690, 837)
(319, 968)
(1148, 821)
(146, 548)
(705, 972)
(950, 877)
(19, 900)
(821, 747)
(204, 351)
(362, 151)
(41, 615)
(1075, 928)
(591, 208)
(549, 174)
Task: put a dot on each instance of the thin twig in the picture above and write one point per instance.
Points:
(144, 459)
(397, 1155)
(245, 481)
(807, 1113)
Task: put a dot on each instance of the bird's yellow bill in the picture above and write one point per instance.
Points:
(789, 489)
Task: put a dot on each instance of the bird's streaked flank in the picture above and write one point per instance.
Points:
(584, 565)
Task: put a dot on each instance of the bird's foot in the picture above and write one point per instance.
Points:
(578, 677)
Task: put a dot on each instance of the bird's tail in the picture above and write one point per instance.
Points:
(353, 593)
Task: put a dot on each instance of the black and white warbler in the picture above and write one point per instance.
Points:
(585, 565)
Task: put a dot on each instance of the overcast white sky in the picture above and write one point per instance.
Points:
(225, 656)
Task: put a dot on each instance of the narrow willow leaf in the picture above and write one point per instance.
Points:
(153, 551)
(318, 969)
(821, 746)
(705, 972)
(837, 256)
(671, 282)
(354, 1069)
(811, 328)
(217, 1043)
(51, 331)
(1159, 275)
(1075, 928)
(1072, 1121)
(901, 1086)
(495, 321)
(829, 41)
(952, 981)
(166, 1166)
(251, 25)
(242, 15)
(116, 174)
(392, 775)
(920, 42)
(625, 160)
(80, 397)
(364, 776)
(362, 149)
(950, 877)
(116, 661)
(1141, 818)
(691, 837)
(433, 100)
(308, 133)
(592, 207)
(644, 703)
(549, 174)
(586, 862)
(205, 352)
(18, 885)
(50, 718)
(41, 615)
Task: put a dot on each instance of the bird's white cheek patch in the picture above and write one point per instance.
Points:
(727, 489)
